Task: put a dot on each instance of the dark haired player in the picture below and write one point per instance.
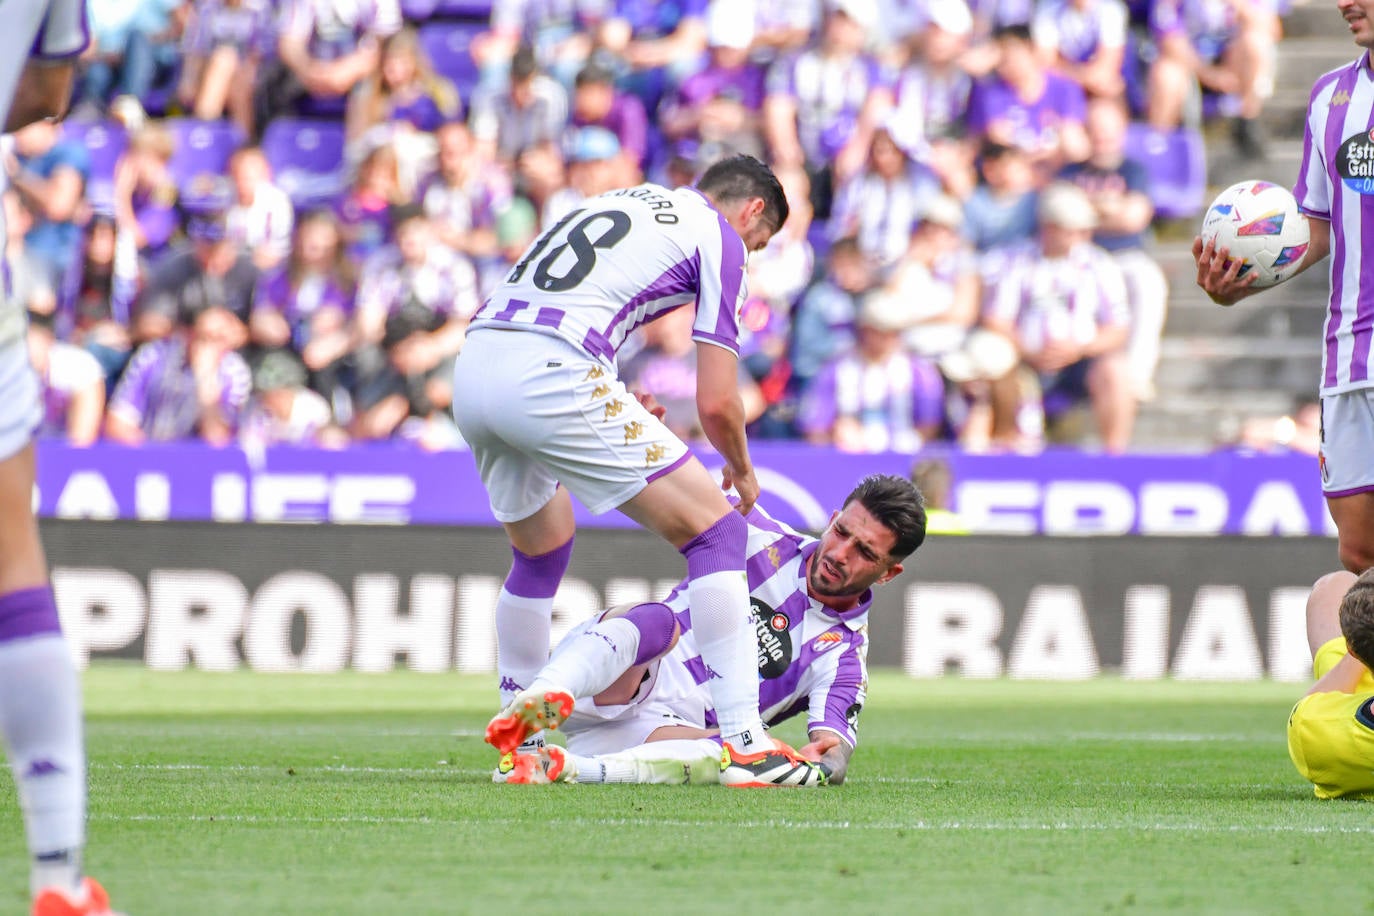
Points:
(643, 709)
(537, 397)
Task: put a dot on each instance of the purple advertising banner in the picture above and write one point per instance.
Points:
(1056, 492)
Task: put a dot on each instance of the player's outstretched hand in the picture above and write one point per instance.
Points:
(1219, 276)
(746, 486)
(650, 403)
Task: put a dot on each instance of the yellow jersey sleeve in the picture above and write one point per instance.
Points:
(1331, 735)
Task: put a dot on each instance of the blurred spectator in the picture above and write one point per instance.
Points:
(134, 42)
(823, 103)
(145, 192)
(50, 174)
(259, 221)
(938, 275)
(324, 50)
(932, 93)
(1064, 306)
(71, 381)
(1224, 46)
(30, 283)
(1025, 104)
(596, 103)
(721, 105)
(659, 43)
(100, 311)
(1119, 189)
(465, 195)
(879, 396)
(1300, 431)
(365, 211)
(403, 91)
(531, 112)
(935, 480)
(1001, 210)
(307, 305)
(823, 325)
(594, 167)
(224, 44)
(190, 384)
(1085, 40)
(666, 367)
(209, 272)
(880, 204)
(282, 411)
(517, 226)
(775, 27)
(414, 302)
(559, 32)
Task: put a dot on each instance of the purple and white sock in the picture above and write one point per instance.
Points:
(524, 615)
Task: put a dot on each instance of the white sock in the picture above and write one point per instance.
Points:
(728, 646)
(40, 718)
(522, 641)
(672, 762)
(591, 662)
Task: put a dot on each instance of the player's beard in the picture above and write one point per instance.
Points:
(843, 589)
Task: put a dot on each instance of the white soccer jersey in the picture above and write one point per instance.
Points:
(1336, 183)
(620, 261)
(32, 30)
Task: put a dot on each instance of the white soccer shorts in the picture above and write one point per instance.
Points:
(20, 409)
(537, 412)
(1347, 449)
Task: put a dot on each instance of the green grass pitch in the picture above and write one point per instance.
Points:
(369, 794)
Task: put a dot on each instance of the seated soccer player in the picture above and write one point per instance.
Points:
(629, 687)
(1331, 729)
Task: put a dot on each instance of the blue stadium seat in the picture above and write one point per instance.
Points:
(106, 142)
(446, 44)
(201, 147)
(307, 160)
(1177, 164)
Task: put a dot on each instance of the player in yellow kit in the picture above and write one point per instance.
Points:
(1331, 729)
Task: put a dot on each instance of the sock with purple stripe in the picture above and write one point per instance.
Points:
(718, 594)
(40, 719)
(524, 614)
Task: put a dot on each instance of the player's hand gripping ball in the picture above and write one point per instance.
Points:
(1258, 223)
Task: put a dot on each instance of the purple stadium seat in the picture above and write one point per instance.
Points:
(447, 43)
(307, 160)
(418, 10)
(106, 142)
(201, 147)
(465, 9)
(1177, 165)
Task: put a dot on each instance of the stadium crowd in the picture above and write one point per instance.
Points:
(270, 223)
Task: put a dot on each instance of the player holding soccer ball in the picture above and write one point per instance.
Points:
(1335, 191)
(40, 694)
(642, 705)
(538, 400)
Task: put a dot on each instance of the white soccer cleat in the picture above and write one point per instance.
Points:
(776, 767)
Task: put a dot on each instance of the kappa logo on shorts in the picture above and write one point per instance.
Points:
(613, 409)
(600, 391)
(633, 430)
(653, 454)
(594, 372)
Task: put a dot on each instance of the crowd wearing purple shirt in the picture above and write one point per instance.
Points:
(338, 184)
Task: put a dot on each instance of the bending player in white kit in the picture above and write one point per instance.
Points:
(643, 711)
(537, 398)
(40, 694)
(1336, 194)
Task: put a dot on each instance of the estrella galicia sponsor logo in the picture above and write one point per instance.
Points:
(1355, 162)
(775, 642)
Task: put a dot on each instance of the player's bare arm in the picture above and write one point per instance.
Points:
(722, 419)
(1219, 275)
(831, 751)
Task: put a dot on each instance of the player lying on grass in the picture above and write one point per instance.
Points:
(630, 690)
(1331, 729)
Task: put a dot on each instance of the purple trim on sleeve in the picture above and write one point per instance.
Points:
(732, 263)
(29, 612)
(549, 318)
(682, 277)
(513, 307)
(669, 469)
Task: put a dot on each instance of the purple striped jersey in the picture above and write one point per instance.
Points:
(812, 660)
(47, 30)
(620, 261)
(1336, 183)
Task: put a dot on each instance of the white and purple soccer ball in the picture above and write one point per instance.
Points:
(1259, 223)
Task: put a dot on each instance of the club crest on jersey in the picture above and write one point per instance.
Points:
(774, 639)
(827, 640)
(1268, 224)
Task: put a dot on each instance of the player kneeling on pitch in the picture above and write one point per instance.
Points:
(630, 690)
(1331, 729)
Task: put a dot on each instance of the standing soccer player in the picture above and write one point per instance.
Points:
(40, 694)
(537, 397)
(1336, 194)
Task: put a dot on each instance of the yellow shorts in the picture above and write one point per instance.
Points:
(1331, 735)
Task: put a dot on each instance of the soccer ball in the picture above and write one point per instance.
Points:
(1259, 223)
